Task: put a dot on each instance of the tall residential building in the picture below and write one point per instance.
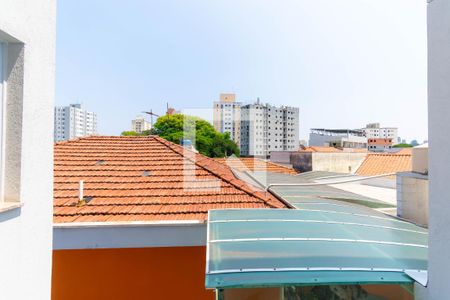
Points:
(140, 124)
(266, 128)
(227, 116)
(74, 121)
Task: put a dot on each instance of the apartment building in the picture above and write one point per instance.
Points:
(266, 128)
(27, 79)
(375, 131)
(140, 124)
(227, 116)
(74, 121)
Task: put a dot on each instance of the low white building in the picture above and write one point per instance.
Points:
(140, 124)
(342, 138)
(338, 161)
(27, 77)
(74, 121)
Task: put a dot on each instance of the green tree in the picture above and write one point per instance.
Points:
(131, 133)
(402, 145)
(144, 133)
(208, 141)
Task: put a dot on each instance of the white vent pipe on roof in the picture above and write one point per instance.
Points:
(80, 190)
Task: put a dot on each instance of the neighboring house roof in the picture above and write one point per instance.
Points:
(320, 149)
(144, 179)
(254, 165)
(378, 164)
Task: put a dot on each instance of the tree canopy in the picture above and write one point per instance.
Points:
(402, 145)
(134, 133)
(179, 127)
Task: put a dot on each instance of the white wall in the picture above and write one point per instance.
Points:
(412, 197)
(316, 139)
(340, 162)
(439, 148)
(136, 235)
(420, 159)
(26, 232)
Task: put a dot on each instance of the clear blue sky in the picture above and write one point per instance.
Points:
(344, 63)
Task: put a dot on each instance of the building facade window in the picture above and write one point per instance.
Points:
(11, 108)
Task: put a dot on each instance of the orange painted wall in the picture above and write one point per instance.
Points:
(143, 273)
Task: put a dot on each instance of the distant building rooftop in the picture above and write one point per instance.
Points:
(337, 132)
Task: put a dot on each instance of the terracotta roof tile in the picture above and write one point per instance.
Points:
(144, 179)
(378, 164)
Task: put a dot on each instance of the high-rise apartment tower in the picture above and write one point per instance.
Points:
(227, 116)
(266, 128)
(74, 121)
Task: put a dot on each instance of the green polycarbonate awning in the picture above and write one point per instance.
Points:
(302, 192)
(336, 245)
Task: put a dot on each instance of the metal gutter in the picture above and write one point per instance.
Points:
(126, 224)
(312, 269)
(100, 235)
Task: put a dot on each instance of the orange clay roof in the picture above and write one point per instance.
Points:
(320, 149)
(377, 164)
(254, 164)
(113, 170)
